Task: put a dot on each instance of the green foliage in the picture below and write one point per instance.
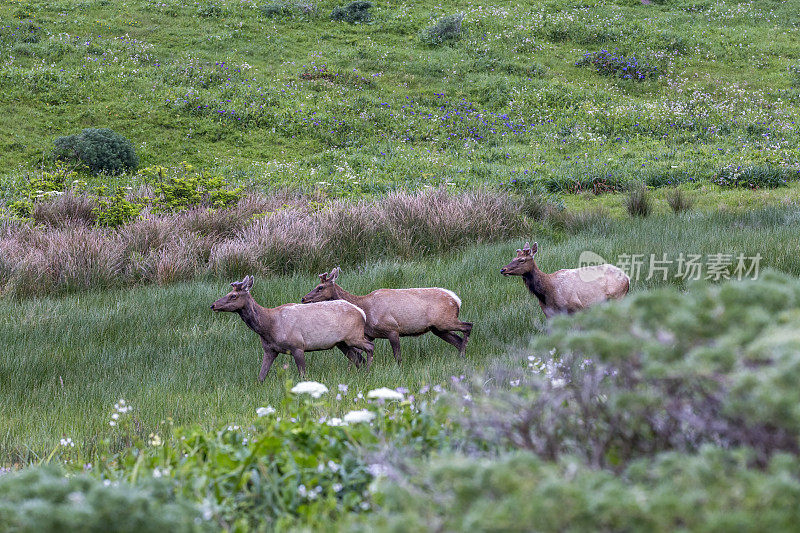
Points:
(294, 9)
(754, 176)
(658, 371)
(615, 64)
(446, 29)
(182, 187)
(114, 211)
(43, 500)
(794, 70)
(354, 12)
(713, 490)
(100, 150)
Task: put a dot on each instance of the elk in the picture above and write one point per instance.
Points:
(297, 329)
(568, 290)
(395, 313)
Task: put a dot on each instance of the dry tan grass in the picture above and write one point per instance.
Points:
(260, 235)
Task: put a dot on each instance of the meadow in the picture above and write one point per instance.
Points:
(411, 144)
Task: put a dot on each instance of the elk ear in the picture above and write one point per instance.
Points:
(534, 248)
(323, 277)
(334, 274)
(237, 285)
(247, 283)
(526, 250)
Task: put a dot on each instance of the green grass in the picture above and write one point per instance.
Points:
(393, 112)
(65, 361)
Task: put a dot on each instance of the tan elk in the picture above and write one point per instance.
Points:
(297, 329)
(395, 313)
(570, 289)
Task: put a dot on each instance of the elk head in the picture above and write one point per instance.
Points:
(325, 290)
(523, 263)
(237, 298)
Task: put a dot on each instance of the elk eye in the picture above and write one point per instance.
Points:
(234, 296)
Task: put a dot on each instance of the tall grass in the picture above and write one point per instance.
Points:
(261, 235)
(65, 361)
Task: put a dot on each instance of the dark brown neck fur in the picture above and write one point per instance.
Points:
(538, 283)
(255, 317)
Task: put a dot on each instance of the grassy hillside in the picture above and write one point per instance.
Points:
(281, 94)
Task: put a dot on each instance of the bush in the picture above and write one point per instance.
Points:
(678, 201)
(100, 150)
(755, 176)
(615, 64)
(446, 29)
(637, 203)
(43, 500)
(658, 371)
(182, 187)
(354, 12)
(116, 210)
(713, 490)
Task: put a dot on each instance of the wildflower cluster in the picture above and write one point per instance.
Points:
(755, 176)
(617, 65)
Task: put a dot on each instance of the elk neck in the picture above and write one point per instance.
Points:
(342, 294)
(255, 316)
(538, 283)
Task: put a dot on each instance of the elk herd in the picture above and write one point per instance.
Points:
(329, 316)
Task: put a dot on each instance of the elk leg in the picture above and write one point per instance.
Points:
(299, 360)
(466, 329)
(368, 347)
(353, 355)
(447, 336)
(394, 340)
(266, 363)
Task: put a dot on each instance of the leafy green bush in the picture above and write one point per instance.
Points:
(354, 12)
(182, 187)
(116, 210)
(713, 490)
(657, 371)
(446, 29)
(282, 470)
(754, 176)
(100, 150)
(43, 500)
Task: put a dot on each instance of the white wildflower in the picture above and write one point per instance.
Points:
(558, 383)
(310, 387)
(337, 487)
(336, 422)
(362, 415)
(333, 466)
(67, 442)
(384, 394)
(265, 411)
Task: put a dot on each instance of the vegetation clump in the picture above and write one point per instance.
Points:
(446, 29)
(357, 12)
(101, 150)
(754, 176)
(617, 65)
(679, 201)
(638, 203)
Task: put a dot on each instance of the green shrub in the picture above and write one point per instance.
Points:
(446, 29)
(662, 370)
(754, 176)
(713, 490)
(354, 12)
(43, 500)
(116, 210)
(182, 187)
(100, 150)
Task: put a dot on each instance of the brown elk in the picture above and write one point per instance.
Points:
(570, 289)
(297, 329)
(395, 313)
